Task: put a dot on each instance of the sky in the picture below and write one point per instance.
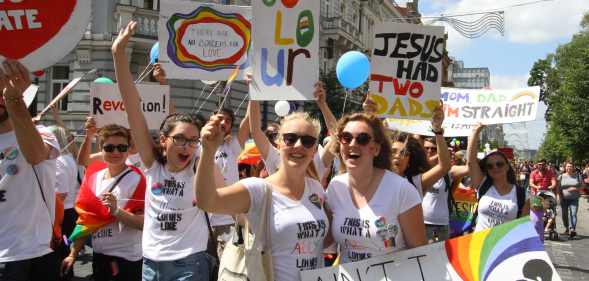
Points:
(531, 32)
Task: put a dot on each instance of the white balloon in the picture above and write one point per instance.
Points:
(282, 108)
(208, 82)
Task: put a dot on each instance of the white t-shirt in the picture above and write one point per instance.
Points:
(226, 160)
(297, 227)
(134, 160)
(435, 204)
(26, 219)
(174, 227)
(117, 239)
(373, 230)
(272, 162)
(495, 209)
(66, 179)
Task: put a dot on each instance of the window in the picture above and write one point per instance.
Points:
(60, 77)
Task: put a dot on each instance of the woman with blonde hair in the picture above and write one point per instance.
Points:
(297, 219)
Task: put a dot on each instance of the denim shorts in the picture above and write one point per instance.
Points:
(195, 267)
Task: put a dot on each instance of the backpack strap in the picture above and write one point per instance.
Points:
(521, 199)
(482, 190)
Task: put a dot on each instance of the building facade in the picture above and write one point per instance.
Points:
(470, 77)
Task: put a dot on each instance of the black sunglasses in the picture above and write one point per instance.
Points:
(361, 138)
(111, 148)
(498, 164)
(180, 140)
(290, 139)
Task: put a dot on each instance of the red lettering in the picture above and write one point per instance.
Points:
(116, 105)
(380, 79)
(106, 105)
(416, 89)
(401, 90)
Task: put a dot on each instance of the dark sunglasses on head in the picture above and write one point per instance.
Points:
(498, 165)
(361, 138)
(432, 148)
(290, 139)
(271, 135)
(111, 148)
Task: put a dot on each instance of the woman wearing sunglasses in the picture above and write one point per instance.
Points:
(116, 246)
(175, 234)
(500, 200)
(375, 211)
(297, 219)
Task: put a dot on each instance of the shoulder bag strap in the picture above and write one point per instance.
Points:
(118, 180)
(261, 234)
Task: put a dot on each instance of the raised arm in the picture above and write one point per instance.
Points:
(130, 96)
(85, 156)
(474, 170)
(244, 129)
(260, 139)
(330, 120)
(212, 197)
(438, 171)
(14, 80)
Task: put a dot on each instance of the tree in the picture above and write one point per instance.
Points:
(564, 78)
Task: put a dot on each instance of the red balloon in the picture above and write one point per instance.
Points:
(39, 73)
(290, 3)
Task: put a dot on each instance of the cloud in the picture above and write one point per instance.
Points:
(509, 81)
(538, 23)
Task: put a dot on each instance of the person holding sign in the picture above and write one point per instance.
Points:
(375, 211)
(500, 199)
(27, 188)
(297, 219)
(175, 231)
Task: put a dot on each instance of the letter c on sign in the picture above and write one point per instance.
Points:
(290, 3)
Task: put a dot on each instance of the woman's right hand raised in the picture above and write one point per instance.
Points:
(211, 135)
(90, 127)
(122, 39)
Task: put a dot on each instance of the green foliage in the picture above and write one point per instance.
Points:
(564, 80)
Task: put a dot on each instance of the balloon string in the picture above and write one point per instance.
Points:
(144, 73)
(208, 96)
(345, 101)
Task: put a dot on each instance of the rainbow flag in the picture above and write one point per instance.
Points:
(475, 256)
(462, 215)
(92, 215)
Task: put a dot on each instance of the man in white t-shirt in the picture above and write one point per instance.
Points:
(27, 195)
(226, 159)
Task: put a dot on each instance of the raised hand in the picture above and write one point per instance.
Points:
(14, 80)
(438, 116)
(319, 92)
(159, 74)
(90, 126)
(122, 39)
(369, 105)
(212, 135)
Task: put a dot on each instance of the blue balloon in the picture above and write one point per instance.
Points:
(352, 69)
(154, 53)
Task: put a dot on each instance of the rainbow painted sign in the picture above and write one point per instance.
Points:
(512, 251)
(203, 41)
(286, 52)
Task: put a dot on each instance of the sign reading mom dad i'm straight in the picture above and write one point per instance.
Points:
(286, 49)
(406, 72)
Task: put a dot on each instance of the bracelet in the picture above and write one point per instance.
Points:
(439, 132)
(13, 99)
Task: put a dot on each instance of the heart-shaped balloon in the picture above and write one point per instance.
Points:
(40, 33)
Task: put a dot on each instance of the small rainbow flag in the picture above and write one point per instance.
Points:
(463, 211)
(92, 215)
(475, 256)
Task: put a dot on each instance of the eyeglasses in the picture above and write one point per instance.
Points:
(290, 139)
(498, 165)
(431, 148)
(110, 148)
(180, 140)
(347, 137)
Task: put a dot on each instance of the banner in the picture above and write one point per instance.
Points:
(203, 41)
(467, 106)
(406, 69)
(107, 106)
(423, 127)
(41, 33)
(286, 52)
(512, 249)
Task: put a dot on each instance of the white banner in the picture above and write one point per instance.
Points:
(423, 127)
(107, 106)
(286, 51)
(406, 69)
(466, 106)
(511, 250)
(203, 41)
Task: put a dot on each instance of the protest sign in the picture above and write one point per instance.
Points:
(467, 106)
(512, 249)
(423, 127)
(106, 105)
(406, 69)
(286, 52)
(203, 41)
(40, 33)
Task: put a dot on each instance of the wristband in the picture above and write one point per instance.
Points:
(13, 99)
(438, 132)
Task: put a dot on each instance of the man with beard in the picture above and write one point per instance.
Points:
(27, 197)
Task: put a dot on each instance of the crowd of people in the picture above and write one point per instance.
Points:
(167, 199)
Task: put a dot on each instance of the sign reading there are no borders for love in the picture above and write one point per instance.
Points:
(40, 33)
